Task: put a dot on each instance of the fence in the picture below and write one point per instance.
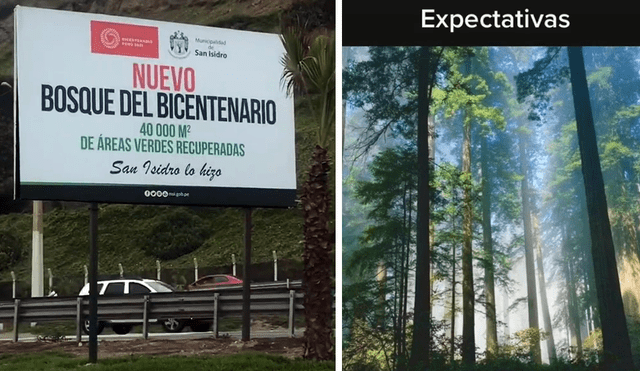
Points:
(203, 305)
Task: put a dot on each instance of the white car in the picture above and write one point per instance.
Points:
(124, 286)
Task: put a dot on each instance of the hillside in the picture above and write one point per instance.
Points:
(136, 235)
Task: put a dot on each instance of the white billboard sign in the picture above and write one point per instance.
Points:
(114, 109)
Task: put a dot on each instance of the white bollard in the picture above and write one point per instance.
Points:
(233, 259)
(50, 280)
(275, 266)
(195, 264)
(13, 277)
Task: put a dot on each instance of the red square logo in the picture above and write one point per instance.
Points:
(124, 39)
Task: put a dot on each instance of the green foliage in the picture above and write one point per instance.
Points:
(546, 74)
(11, 249)
(54, 332)
(394, 182)
(125, 232)
(369, 348)
(601, 78)
(518, 347)
(173, 233)
(593, 341)
(466, 88)
(385, 88)
(309, 68)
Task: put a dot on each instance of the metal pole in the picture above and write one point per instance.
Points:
(16, 319)
(292, 298)
(216, 299)
(246, 278)
(79, 320)
(158, 267)
(93, 283)
(145, 318)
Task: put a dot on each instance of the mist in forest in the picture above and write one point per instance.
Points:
(513, 230)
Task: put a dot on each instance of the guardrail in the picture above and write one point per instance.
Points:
(180, 305)
(283, 285)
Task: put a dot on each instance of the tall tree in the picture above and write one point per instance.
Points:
(420, 348)
(544, 303)
(388, 241)
(385, 87)
(468, 295)
(527, 211)
(487, 241)
(309, 67)
(616, 341)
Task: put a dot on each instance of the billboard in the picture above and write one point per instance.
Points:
(115, 109)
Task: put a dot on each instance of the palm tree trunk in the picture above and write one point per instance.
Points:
(319, 242)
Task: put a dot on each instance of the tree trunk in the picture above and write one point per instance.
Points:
(617, 346)
(381, 279)
(574, 314)
(399, 279)
(318, 244)
(453, 295)
(420, 347)
(432, 224)
(528, 248)
(489, 284)
(548, 328)
(468, 300)
(406, 276)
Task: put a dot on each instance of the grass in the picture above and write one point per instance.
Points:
(245, 362)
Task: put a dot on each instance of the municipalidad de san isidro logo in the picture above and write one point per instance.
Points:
(179, 45)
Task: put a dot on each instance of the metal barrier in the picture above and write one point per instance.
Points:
(201, 305)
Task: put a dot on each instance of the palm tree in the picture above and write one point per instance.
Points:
(309, 70)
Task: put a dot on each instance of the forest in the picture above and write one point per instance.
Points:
(491, 208)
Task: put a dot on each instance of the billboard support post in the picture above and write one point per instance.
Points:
(37, 259)
(246, 277)
(93, 282)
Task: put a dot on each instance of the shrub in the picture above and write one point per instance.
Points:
(173, 233)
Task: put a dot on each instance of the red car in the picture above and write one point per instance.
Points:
(213, 281)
